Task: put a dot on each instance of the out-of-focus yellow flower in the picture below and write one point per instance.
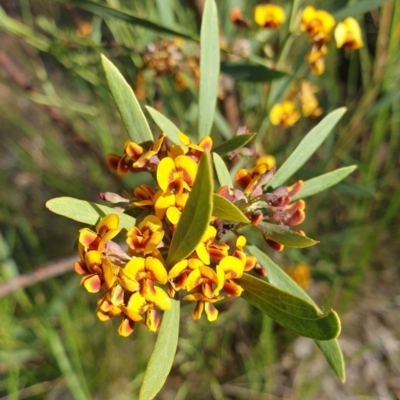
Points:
(316, 57)
(284, 114)
(309, 103)
(317, 23)
(301, 275)
(269, 16)
(348, 34)
(266, 159)
(84, 29)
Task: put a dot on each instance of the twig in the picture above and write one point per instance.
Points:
(40, 274)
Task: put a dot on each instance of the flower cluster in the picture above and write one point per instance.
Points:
(137, 284)
(301, 97)
(318, 24)
(166, 58)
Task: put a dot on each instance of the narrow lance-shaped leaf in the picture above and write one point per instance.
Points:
(196, 215)
(226, 210)
(87, 212)
(323, 182)
(288, 310)
(278, 278)
(233, 144)
(224, 177)
(285, 236)
(166, 125)
(209, 67)
(129, 17)
(163, 354)
(307, 147)
(128, 106)
(250, 72)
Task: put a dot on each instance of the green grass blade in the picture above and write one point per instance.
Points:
(361, 7)
(196, 215)
(285, 236)
(307, 147)
(87, 212)
(226, 210)
(224, 177)
(166, 125)
(288, 310)
(209, 68)
(128, 16)
(233, 144)
(323, 182)
(162, 357)
(247, 72)
(128, 106)
(278, 278)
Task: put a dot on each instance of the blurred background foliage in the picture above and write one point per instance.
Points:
(57, 124)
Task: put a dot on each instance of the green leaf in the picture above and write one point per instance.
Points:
(162, 357)
(361, 7)
(323, 182)
(233, 144)
(288, 310)
(209, 67)
(128, 106)
(87, 212)
(285, 236)
(224, 177)
(226, 210)
(307, 147)
(278, 278)
(128, 16)
(250, 72)
(196, 215)
(166, 125)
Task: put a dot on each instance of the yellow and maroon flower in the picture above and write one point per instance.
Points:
(228, 269)
(146, 271)
(207, 250)
(146, 237)
(151, 158)
(122, 165)
(249, 261)
(196, 150)
(269, 16)
(179, 273)
(317, 23)
(91, 267)
(251, 181)
(308, 100)
(176, 175)
(169, 205)
(145, 194)
(149, 305)
(106, 230)
(203, 279)
(204, 303)
(348, 34)
(284, 114)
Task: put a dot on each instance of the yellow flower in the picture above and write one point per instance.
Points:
(106, 229)
(177, 174)
(251, 181)
(348, 34)
(316, 57)
(301, 275)
(309, 103)
(228, 269)
(267, 159)
(269, 16)
(284, 114)
(317, 23)
(146, 237)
